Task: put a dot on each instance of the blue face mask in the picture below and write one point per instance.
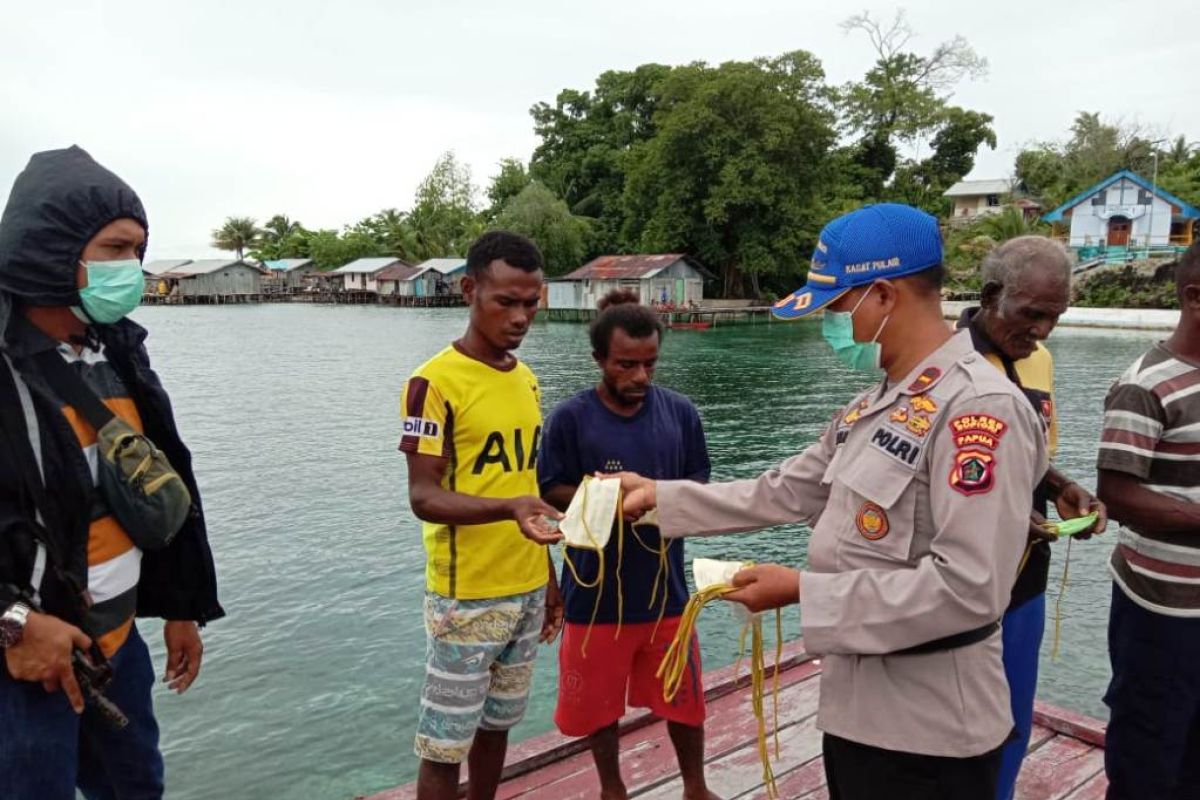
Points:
(838, 329)
(114, 289)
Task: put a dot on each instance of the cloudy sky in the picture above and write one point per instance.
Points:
(330, 111)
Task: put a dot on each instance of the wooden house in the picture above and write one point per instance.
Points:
(669, 279)
(1126, 210)
(362, 275)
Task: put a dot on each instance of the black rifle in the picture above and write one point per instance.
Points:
(93, 679)
(93, 673)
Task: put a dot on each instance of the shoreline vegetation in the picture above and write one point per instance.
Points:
(740, 164)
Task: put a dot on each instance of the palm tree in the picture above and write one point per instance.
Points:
(1009, 224)
(1181, 150)
(280, 227)
(237, 234)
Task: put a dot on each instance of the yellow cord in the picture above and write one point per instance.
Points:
(674, 665)
(661, 577)
(598, 583)
(1062, 591)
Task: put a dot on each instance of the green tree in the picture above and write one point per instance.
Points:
(1054, 171)
(281, 237)
(959, 136)
(734, 172)
(508, 183)
(903, 99)
(586, 142)
(237, 234)
(538, 214)
(328, 249)
(444, 218)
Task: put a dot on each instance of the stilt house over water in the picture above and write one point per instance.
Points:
(362, 275)
(671, 279)
(206, 277)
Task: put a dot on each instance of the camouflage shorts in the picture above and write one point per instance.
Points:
(479, 663)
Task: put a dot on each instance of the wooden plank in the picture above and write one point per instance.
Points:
(1057, 768)
(647, 755)
(550, 748)
(1094, 789)
(1070, 723)
(808, 780)
(740, 771)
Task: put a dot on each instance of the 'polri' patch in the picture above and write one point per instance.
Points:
(902, 448)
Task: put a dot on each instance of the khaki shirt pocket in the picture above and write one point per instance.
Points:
(877, 511)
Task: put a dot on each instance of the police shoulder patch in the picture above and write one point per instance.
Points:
(872, 521)
(973, 472)
(982, 430)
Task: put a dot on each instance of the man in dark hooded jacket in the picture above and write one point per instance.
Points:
(71, 578)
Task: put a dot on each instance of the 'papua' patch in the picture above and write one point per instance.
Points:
(973, 472)
(872, 521)
(925, 379)
(978, 429)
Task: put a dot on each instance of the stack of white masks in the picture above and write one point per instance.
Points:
(589, 519)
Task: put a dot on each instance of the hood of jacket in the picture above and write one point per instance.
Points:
(58, 203)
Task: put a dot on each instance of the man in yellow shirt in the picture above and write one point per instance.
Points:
(472, 421)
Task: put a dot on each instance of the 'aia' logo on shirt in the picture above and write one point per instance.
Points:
(496, 450)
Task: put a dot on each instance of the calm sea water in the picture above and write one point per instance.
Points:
(310, 685)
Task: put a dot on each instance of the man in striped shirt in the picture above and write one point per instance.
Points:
(1149, 466)
(72, 237)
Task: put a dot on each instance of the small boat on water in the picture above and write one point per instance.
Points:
(689, 326)
(1065, 762)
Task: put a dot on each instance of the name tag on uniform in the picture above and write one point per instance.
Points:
(902, 448)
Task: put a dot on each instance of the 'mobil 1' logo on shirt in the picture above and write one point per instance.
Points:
(509, 450)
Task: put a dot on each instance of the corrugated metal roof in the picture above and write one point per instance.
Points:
(444, 265)
(287, 264)
(398, 272)
(627, 267)
(971, 188)
(204, 266)
(161, 265)
(369, 265)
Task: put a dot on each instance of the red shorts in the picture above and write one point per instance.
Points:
(592, 690)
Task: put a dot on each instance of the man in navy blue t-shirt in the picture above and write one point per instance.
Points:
(625, 423)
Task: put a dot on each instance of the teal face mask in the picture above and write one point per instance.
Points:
(114, 289)
(838, 329)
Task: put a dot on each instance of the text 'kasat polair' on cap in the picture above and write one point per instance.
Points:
(887, 240)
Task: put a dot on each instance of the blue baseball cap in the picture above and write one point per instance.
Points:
(887, 240)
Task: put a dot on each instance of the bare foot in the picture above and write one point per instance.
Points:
(614, 794)
(703, 794)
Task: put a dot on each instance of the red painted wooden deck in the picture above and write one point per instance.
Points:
(1066, 758)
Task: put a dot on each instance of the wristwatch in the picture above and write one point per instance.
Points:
(12, 624)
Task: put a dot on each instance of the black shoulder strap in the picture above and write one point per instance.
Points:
(70, 387)
(12, 423)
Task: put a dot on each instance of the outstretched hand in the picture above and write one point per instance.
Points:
(765, 586)
(639, 493)
(531, 514)
(1075, 501)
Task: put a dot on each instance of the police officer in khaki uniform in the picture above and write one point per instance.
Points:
(918, 496)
